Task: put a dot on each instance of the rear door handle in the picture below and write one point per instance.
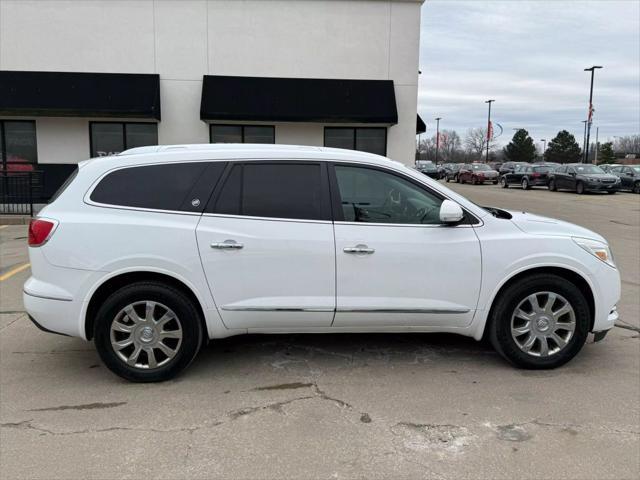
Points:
(227, 245)
(362, 249)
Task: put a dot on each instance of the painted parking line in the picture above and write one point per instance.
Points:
(3, 226)
(11, 273)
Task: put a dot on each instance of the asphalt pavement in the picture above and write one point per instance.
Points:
(332, 406)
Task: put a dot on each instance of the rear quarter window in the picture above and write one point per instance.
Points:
(175, 186)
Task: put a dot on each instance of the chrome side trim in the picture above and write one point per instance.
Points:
(233, 308)
(46, 297)
(402, 310)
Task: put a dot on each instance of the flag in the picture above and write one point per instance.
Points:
(591, 110)
(490, 131)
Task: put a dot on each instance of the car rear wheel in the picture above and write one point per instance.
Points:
(148, 332)
(525, 184)
(503, 182)
(539, 322)
(474, 180)
(446, 177)
(552, 185)
(579, 188)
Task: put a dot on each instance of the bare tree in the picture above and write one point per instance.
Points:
(476, 141)
(449, 145)
(627, 144)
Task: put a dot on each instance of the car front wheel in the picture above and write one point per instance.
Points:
(580, 188)
(147, 332)
(525, 184)
(636, 187)
(540, 322)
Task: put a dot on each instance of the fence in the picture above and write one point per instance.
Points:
(19, 191)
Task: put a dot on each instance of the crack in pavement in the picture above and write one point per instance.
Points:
(28, 425)
(277, 406)
(86, 406)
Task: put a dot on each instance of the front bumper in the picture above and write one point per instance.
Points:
(599, 187)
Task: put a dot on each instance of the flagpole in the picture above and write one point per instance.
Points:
(590, 117)
(488, 129)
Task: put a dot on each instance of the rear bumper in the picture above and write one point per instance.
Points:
(53, 314)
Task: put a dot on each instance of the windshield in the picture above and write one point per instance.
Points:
(636, 168)
(542, 169)
(480, 166)
(587, 169)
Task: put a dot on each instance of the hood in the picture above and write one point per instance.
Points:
(537, 225)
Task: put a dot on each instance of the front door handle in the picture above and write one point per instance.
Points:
(227, 245)
(360, 248)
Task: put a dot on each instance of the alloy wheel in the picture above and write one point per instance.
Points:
(542, 324)
(146, 334)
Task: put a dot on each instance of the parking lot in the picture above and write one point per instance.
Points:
(332, 406)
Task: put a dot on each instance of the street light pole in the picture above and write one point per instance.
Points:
(437, 137)
(488, 128)
(590, 116)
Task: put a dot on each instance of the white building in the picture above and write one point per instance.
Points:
(314, 72)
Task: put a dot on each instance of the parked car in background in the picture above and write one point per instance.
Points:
(510, 167)
(583, 177)
(495, 165)
(151, 274)
(477, 173)
(430, 170)
(629, 176)
(607, 167)
(451, 172)
(552, 165)
(527, 176)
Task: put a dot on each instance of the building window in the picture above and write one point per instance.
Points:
(242, 133)
(365, 139)
(18, 145)
(110, 138)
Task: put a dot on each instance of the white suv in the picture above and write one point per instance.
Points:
(155, 251)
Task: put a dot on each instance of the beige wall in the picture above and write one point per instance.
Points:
(185, 39)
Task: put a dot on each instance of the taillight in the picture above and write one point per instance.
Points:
(40, 230)
(535, 175)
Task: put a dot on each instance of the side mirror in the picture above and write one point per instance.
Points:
(450, 212)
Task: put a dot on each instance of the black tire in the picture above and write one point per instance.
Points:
(525, 184)
(457, 179)
(636, 187)
(503, 309)
(579, 188)
(552, 185)
(495, 182)
(611, 192)
(446, 177)
(503, 182)
(474, 181)
(187, 314)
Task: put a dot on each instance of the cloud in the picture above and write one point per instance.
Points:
(529, 56)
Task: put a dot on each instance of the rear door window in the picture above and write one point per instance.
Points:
(175, 186)
(275, 190)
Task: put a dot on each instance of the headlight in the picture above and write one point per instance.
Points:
(597, 249)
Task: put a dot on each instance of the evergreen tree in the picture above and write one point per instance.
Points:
(521, 148)
(563, 149)
(606, 155)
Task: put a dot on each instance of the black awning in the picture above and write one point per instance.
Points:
(298, 100)
(421, 127)
(75, 94)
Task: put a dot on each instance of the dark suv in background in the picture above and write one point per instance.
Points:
(528, 176)
(583, 177)
(510, 167)
(629, 176)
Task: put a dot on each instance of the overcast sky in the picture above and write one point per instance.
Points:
(529, 56)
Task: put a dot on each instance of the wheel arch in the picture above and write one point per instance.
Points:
(111, 284)
(570, 275)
